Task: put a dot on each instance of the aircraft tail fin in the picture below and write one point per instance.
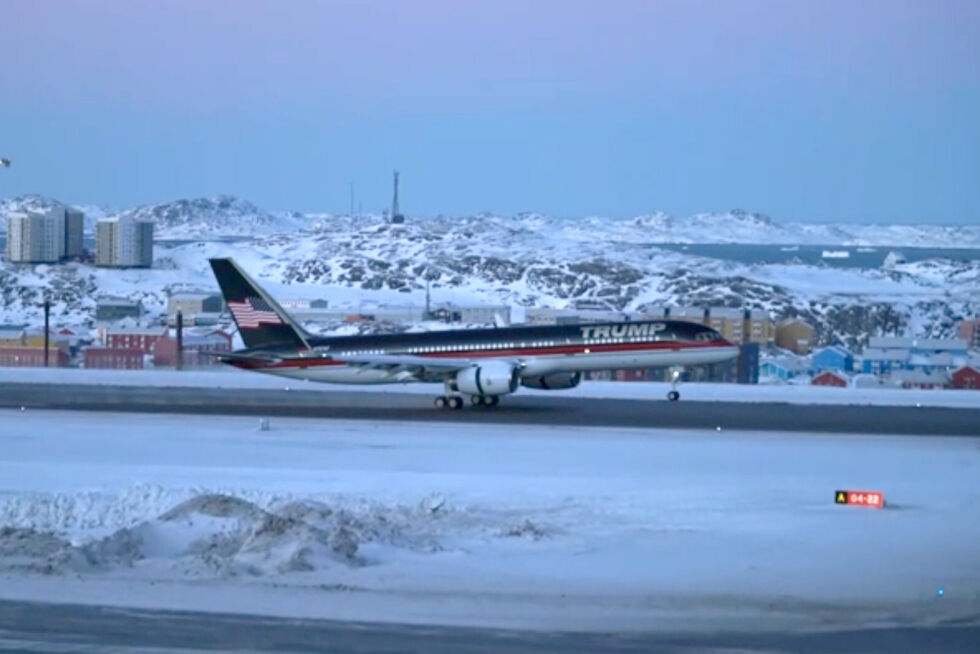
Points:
(261, 322)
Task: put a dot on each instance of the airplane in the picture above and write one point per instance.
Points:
(482, 363)
(4, 162)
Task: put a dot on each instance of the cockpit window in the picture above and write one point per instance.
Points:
(707, 335)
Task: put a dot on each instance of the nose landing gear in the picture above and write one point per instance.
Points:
(675, 380)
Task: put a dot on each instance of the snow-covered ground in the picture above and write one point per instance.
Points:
(517, 526)
(708, 392)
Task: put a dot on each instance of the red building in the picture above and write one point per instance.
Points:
(33, 356)
(830, 378)
(142, 339)
(966, 377)
(196, 347)
(118, 358)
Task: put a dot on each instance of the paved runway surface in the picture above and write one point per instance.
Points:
(520, 409)
(34, 627)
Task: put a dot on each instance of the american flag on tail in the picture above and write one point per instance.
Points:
(253, 312)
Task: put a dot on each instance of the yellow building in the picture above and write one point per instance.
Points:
(759, 327)
(728, 322)
(795, 335)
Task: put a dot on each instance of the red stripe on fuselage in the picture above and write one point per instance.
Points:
(577, 349)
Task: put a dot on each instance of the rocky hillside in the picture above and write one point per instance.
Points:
(526, 260)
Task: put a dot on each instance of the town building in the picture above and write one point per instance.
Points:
(834, 358)
(484, 314)
(877, 361)
(110, 310)
(966, 377)
(134, 349)
(730, 323)
(782, 368)
(759, 326)
(191, 304)
(116, 358)
(196, 348)
(20, 346)
(795, 335)
(36, 236)
(13, 335)
(919, 345)
(734, 324)
(885, 355)
(33, 356)
(134, 338)
(290, 303)
(687, 314)
(124, 242)
(969, 331)
(830, 378)
(919, 379)
(652, 312)
(397, 313)
(74, 233)
(552, 316)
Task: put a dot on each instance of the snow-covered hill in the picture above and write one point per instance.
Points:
(525, 260)
(37, 203)
(227, 216)
(222, 216)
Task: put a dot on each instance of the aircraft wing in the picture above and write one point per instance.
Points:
(234, 356)
(407, 362)
(420, 368)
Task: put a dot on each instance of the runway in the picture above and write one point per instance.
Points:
(36, 627)
(518, 409)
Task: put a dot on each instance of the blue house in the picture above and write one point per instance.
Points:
(781, 368)
(834, 358)
(887, 354)
(879, 361)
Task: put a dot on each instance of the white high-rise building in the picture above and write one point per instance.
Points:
(36, 236)
(124, 242)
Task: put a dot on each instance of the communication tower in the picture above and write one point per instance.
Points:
(396, 215)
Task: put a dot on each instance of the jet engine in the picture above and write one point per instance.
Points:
(553, 382)
(491, 378)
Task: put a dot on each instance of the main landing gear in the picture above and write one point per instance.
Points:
(449, 402)
(456, 401)
(675, 379)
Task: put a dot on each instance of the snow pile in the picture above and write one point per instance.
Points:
(222, 535)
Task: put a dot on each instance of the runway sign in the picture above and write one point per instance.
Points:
(874, 499)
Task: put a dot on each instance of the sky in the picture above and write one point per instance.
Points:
(809, 111)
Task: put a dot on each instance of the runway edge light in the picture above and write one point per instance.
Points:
(874, 499)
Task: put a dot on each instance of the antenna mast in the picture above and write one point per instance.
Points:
(396, 215)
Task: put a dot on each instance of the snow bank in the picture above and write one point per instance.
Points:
(207, 535)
